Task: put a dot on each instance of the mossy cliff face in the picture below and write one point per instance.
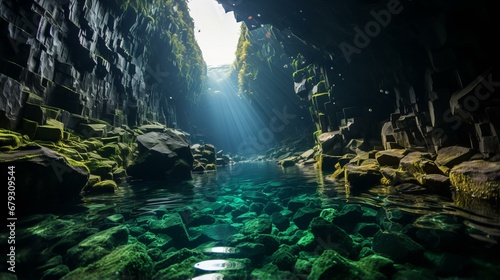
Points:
(109, 60)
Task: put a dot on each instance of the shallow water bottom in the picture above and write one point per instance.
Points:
(259, 221)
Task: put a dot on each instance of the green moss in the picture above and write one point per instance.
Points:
(103, 168)
(106, 186)
(92, 144)
(210, 167)
(10, 140)
(109, 150)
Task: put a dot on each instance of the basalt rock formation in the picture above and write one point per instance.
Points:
(73, 59)
(79, 79)
(413, 73)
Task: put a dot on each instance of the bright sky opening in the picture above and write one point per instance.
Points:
(215, 31)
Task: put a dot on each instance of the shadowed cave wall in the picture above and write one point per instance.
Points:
(408, 73)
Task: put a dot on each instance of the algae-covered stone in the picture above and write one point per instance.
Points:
(330, 236)
(178, 271)
(106, 186)
(331, 265)
(49, 133)
(127, 261)
(103, 168)
(304, 216)
(477, 178)
(178, 257)
(172, 225)
(92, 130)
(10, 140)
(284, 258)
(47, 177)
(362, 177)
(96, 246)
(119, 174)
(397, 246)
(418, 164)
(261, 225)
(210, 167)
(109, 150)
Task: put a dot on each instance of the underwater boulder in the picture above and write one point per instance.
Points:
(331, 265)
(397, 246)
(96, 246)
(261, 225)
(127, 261)
(160, 155)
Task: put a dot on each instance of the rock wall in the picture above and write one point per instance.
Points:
(408, 73)
(72, 60)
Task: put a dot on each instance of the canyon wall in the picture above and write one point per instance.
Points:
(88, 61)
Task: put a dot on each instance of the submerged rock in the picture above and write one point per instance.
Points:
(331, 265)
(127, 261)
(96, 246)
(162, 155)
(398, 247)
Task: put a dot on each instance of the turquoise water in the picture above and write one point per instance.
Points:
(217, 210)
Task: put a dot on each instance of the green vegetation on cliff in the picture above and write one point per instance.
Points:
(182, 53)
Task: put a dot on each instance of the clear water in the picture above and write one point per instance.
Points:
(425, 218)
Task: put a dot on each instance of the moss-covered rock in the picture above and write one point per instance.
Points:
(106, 186)
(9, 140)
(43, 176)
(210, 167)
(96, 246)
(109, 150)
(178, 271)
(103, 168)
(477, 178)
(331, 265)
(49, 133)
(362, 177)
(398, 247)
(127, 261)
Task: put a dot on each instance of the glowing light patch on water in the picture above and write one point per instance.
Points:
(222, 250)
(211, 276)
(215, 265)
